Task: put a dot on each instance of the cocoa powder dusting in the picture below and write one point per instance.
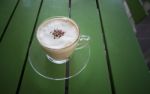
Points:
(57, 33)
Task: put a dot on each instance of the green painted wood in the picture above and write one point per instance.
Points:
(130, 73)
(32, 82)
(6, 8)
(137, 10)
(13, 47)
(94, 78)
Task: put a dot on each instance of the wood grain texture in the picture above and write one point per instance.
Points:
(94, 78)
(32, 82)
(14, 46)
(130, 73)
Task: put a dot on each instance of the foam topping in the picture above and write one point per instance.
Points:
(57, 33)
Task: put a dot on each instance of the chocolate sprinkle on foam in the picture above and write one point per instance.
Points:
(57, 33)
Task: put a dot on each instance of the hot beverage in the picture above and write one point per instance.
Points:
(58, 37)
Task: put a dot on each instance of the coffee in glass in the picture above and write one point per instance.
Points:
(59, 37)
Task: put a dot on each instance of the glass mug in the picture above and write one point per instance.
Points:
(50, 33)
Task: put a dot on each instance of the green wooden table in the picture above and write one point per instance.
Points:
(116, 65)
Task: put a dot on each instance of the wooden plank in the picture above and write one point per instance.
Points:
(94, 78)
(130, 73)
(13, 47)
(32, 82)
(6, 9)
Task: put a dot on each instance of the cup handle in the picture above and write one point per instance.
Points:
(83, 42)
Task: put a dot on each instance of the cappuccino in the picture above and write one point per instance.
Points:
(58, 37)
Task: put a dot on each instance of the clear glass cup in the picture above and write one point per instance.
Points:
(59, 56)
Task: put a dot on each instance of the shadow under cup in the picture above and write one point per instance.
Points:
(60, 56)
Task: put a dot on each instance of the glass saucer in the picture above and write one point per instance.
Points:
(49, 70)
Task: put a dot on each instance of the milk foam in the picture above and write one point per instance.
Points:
(47, 39)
